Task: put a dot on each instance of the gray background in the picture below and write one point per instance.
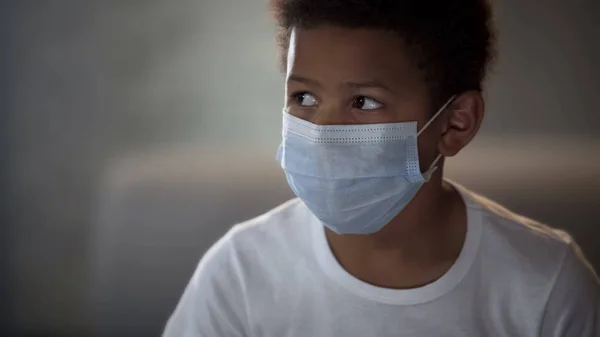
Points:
(108, 107)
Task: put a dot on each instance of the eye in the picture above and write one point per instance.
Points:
(366, 103)
(305, 99)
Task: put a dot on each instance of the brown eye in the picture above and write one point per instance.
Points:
(305, 99)
(366, 103)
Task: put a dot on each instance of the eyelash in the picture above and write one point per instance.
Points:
(378, 102)
(295, 97)
(297, 94)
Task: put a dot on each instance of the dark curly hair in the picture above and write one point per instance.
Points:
(451, 41)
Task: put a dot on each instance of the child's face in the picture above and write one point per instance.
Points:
(353, 76)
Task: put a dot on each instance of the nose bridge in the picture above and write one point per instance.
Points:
(332, 114)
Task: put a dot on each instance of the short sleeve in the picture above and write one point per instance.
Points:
(213, 302)
(573, 307)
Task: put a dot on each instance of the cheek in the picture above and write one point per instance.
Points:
(305, 114)
(430, 144)
(410, 109)
(412, 104)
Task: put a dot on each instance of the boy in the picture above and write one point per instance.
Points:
(378, 243)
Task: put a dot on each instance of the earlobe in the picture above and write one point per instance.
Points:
(463, 122)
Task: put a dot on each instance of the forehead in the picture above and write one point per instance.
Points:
(335, 53)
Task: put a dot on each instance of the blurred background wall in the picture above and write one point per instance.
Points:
(129, 128)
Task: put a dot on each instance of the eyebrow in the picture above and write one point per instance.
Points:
(305, 80)
(361, 84)
(369, 84)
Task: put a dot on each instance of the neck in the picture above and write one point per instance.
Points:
(415, 248)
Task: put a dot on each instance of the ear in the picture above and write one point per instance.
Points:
(462, 122)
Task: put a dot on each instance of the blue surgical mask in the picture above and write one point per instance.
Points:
(353, 178)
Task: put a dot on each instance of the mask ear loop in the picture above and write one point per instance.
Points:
(433, 167)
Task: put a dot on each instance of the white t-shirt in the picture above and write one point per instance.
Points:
(275, 276)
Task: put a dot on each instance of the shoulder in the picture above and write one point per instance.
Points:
(538, 266)
(572, 307)
(517, 238)
(526, 245)
(284, 226)
(515, 248)
(239, 264)
(252, 250)
(250, 259)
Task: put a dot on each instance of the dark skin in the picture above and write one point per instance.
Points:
(362, 76)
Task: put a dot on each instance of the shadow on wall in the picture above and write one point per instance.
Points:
(161, 211)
